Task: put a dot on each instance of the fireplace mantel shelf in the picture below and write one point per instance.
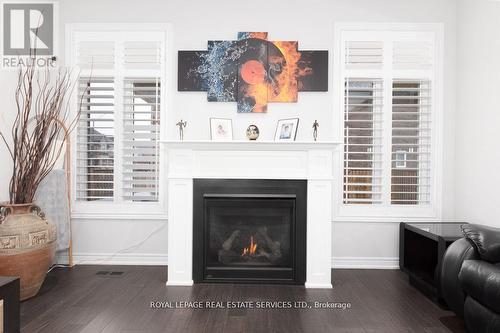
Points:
(251, 145)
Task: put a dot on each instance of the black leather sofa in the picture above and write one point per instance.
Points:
(470, 278)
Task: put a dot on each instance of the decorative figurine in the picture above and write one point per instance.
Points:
(252, 132)
(182, 125)
(315, 130)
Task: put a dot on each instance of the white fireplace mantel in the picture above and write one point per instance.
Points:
(311, 161)
(251, 145)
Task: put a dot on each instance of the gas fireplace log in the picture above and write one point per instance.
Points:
(261, 257)
(229, 257)
(228, 243)
(268, 250)
(275, 247)
(270, 256)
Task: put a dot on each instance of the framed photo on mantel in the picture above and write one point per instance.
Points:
(286, 129)
(221, 129)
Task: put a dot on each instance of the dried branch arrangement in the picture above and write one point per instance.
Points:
(39, 130)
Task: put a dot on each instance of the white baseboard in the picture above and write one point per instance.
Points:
(366, 262)
(179, 283)
(318, 286)
(139, 259)
(146, 259)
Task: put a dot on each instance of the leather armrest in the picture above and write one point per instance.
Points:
(486, 240)
(451, 290)
(481, 281)
(479, 319)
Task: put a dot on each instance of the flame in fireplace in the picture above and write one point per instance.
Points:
(250, 251)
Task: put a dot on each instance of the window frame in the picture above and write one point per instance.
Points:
(385, 32)
(119, 208)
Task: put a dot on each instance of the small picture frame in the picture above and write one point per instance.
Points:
(286, 129)
(221, 129)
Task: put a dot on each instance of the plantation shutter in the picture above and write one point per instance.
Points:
(141, 125)
(142, 55)
(95, 139)
(141, 122)
(411, 142)
(96, 55)
(412, 55)
(364, 55)
(363, 141)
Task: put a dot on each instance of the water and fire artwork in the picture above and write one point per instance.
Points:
(253, 71)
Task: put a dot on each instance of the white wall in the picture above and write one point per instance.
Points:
(478, 116)
(311, 23)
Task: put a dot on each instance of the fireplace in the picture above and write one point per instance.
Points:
(198, 171)
(251, 231)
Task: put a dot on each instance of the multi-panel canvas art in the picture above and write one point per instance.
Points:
(253, 71)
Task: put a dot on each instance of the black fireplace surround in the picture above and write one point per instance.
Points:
(249, 231)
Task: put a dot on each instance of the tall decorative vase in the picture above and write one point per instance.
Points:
(27, 245)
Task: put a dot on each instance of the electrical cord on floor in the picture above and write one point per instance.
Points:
(133, 247)
(57, 266)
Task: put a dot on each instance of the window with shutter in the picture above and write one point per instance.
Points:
(118, 146)
(390, 78)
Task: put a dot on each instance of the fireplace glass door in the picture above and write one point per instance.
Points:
(249, 233)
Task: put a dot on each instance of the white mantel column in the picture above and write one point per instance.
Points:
(180, 232)
(319, 234)
(180, 217)
(319, 219)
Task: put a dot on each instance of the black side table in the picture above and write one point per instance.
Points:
(9, 296)
(421, 251)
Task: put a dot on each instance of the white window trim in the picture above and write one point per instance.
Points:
(128, 210)
(390, 213)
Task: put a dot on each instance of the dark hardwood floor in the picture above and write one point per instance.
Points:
(79, 300)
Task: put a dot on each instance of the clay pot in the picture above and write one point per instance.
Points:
(27, 245)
